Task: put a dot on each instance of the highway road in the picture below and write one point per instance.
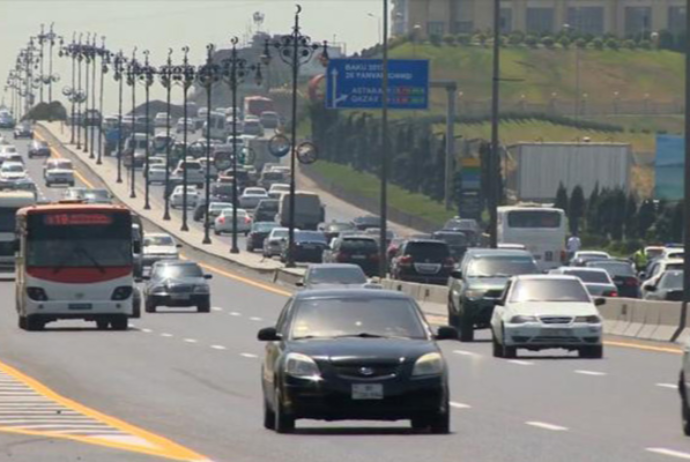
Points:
(185, 386)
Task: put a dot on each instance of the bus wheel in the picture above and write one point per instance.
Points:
(102, 324)
(119, 323)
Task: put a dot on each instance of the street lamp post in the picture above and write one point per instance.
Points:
(118, 74)
(185, 77)
(493, 157)
(86, 52)
(166, 81)
(146, 76)
(132, 75)
(70, 51)
(105, 60)
(208, 75)
(295, 50)
(53, 77)
(234, 71)
(80, 58)
(92, 128)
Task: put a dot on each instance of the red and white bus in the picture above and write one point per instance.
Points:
(75, 261)
(255, 105)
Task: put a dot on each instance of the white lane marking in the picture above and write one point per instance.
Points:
(672, 386)
(255, 318)
(546, 426)
(249, 355)
(670, 452)
(218, 347)
(521, 362)
(457, 405)
(146, 331)
(190, 340)
(465, 353)
(165, 334)
(584, 372)
(217, 308)
(235, 313)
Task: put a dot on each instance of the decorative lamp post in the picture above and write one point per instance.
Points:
(132, 75)
(119, 63)
(166, 73)
(146, 77)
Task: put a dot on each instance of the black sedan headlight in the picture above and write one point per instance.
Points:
(430, 364)
(301, 366)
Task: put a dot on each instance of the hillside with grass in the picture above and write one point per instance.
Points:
(538, 73)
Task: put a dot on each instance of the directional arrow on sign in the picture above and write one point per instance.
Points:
(334, 89)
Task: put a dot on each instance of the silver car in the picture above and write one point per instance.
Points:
(596, 280)
(273, 244)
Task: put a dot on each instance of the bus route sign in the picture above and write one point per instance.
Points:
(356, 84)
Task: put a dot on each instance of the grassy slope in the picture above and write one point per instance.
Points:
(542, 72)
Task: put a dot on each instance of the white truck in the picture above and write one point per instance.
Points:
(10, 202)
(309, 211)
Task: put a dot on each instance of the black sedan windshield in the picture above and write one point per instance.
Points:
(350, 275)
(365, 317)
(177, 271)
(501, 266)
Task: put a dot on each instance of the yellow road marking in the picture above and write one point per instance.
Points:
(154, 445)
(274, 290)
(55, 153)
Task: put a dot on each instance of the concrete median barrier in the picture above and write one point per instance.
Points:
(637, 319)
(288, 276)
(669, 319)
(652, 313)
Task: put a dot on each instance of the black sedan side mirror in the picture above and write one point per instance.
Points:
(446, 333)
(599, 301)
(146, 277)
(650, 288)
(299, 283)
(268, 334)
(138, 280)
(208, 276)
(179, 246)
(456, 274)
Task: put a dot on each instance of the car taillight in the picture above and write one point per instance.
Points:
(405, 261)
(221, 220)
(611, 293)
(37, 294)
(632, 282)
(121, 293)
(342, 256)
(247, 220)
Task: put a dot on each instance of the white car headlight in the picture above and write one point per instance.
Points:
(521, 319)
(593, 319)
(301, 366)
(429, 364)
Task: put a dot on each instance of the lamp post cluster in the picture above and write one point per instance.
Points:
(34, 70)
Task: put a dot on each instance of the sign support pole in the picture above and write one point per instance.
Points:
(383, 261)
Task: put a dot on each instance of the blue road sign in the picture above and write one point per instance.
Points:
(356, 84)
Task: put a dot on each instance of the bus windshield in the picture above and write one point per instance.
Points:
(534, 219)
(7, 220)
(79, 239)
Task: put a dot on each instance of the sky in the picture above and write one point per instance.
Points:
(157, 25)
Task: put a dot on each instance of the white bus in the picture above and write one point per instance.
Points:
(75, 261)
(541, 230)
(10, 202)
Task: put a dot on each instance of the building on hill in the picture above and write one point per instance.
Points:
(597, 17)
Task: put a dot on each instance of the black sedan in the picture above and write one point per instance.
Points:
(354, 354)
(366, 222)
(259, 232)
(23, 130)
(308, 247)
(39, 149)
(177, 283)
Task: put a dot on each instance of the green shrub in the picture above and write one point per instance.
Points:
(613, 43)
(645, 44)
(581, 43)
(463, 39)
(598, 43)
(548, 41)
(449, 40)
(516, 38)
(435, 40)
(630, 44)
(564, 42)
(531, 41)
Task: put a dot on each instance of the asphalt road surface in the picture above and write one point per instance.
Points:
(185, 386)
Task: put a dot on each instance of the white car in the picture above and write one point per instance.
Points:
(223, 223)
(277, 189)
(12, 171)
(656, 270)
(251, 197)
(596, 280)
(273, 244)
(161, 120)
(538, 312)
(7, 149)
(157, 174)
(12, 157)
(195, 173)
(215, 208)
(159, 246)
(58, 171)
(177, 197)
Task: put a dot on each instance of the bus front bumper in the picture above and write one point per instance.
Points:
(82, 309)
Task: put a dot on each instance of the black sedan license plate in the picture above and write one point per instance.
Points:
(367, 391)
(80, 306)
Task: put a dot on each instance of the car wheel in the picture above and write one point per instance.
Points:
(509, 352)
(497, 347)
(33, 323)
(119, 323)
(48, 184)
(22, 323)
(216, 232)
(284, 423)
(204, 307)
(150, 307)
(102, 324)
(685, 412)
(419, 423)
(136, 309)
(269, 417)
(439, 424)
(466, 330)
(592, 352)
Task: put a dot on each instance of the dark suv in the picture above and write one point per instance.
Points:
(423, 260)
(478, 284)
(266, 210)
(360, 250)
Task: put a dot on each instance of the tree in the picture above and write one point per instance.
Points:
(617, 211)
(592, 206)
(576, 209)
(646, 217)
(561, 198)
(631, 225)
(676, 230)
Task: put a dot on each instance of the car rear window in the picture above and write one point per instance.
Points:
(430, 250)
(359, 245)
(595, 277)
(672, 280)
(614, 268)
